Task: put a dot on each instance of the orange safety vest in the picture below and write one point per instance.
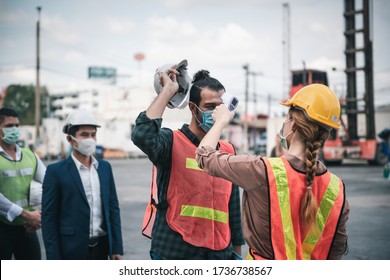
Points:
(290, 241)
(197, 202)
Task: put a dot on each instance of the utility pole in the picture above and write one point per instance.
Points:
(286, 50)
(244, 145)
(37, 85)
(269, 105)
(255, 112)
(254, 75)
(304, 80)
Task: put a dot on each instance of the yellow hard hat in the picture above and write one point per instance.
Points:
(320, 104)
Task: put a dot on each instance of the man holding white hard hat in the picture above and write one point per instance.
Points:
(191, 215)
(19, 167)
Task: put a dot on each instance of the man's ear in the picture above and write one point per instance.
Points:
(69, 139)
(192, 107)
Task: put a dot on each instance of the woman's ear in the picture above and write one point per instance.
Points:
(293, 127)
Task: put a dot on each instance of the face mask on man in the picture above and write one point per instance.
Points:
(85, 146)
(207, 120)
(283, 139)
(11, 134)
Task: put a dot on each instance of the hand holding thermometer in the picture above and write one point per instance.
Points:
(230, 101)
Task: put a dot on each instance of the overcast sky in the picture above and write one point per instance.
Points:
(220, 36)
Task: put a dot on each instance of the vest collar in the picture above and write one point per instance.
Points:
(191, 136)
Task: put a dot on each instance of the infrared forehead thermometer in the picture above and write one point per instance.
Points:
(230, 101)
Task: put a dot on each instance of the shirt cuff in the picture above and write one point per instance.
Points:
(14, 212)
(204, 151)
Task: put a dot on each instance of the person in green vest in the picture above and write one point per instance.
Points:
(18, 167)
(293, 206)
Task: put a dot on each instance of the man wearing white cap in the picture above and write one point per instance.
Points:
(80, 209)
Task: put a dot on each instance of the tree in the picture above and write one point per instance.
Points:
(22, 99)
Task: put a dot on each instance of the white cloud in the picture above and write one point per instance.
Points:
(9, 43)
(317, 27)
(73, 56)
(168, 29)
(174, 3)
(226, 44)
(218, 35)
(12, 17)
(207, 3)
(56, 28)
(120, 26)
(222, 49)
(324, 63)
(19, 74)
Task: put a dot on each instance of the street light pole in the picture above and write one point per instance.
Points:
(255, 112)
(37, 85)
(254, 75)
(244, 145)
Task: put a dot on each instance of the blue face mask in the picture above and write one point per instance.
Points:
(207, 120)
(283, 139)
(11, 134)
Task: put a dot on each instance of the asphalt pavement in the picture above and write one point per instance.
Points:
(367, 192)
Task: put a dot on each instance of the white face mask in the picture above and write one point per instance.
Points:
(85, 146)
(283, 139)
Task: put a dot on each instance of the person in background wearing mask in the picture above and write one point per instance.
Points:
(294, 208)
(198, 216)
(80, 209)
(18, 167)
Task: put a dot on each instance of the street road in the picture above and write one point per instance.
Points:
(367, 192)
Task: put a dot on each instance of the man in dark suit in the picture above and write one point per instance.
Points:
(80, 209)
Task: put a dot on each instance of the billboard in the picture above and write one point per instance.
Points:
(104, 74)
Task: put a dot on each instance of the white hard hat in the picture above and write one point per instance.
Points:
(79, 117)
(180, 99)
(35, 198)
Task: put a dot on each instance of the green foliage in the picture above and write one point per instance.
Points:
(22, 99)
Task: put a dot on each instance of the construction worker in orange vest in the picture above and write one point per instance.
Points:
(293, 207)
(198, 216)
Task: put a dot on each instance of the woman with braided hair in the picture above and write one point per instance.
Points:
(293, 207)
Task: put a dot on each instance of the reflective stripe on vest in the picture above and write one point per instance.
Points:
(18, 172)
(204, 213)
(283, 178)
(151, 209)
(284, 203)
(322, 216)
(198, 204)
(15, 180)
(191, 163)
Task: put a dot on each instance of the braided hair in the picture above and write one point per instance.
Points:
(314, 137)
